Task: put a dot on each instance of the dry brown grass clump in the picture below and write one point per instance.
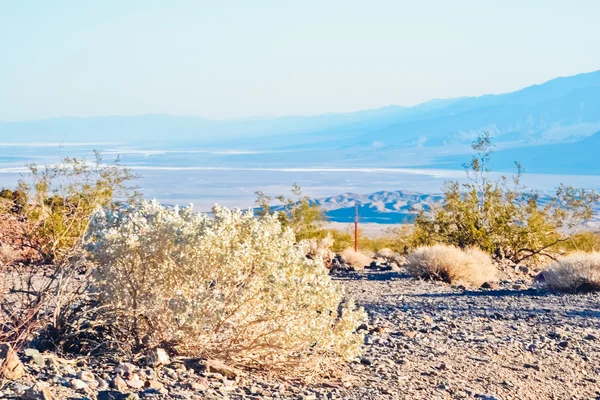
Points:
(385, 253)
(356, 259)
(576, 272)
(450, 264)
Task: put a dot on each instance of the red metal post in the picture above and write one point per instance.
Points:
(356, 228)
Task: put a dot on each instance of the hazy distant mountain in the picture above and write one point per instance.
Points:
(526, 124)
(387, 207)
(381, 207)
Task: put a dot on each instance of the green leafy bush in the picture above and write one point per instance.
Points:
(503, 217)
(229, 285)
(61, 200)
(299, 213)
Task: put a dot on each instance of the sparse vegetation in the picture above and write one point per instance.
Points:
(46, 221)
(396, 239)
(299, 213)
(356, 259)
(232, 286)
(503, 217)
(470, 267)
(578, 271)
(57, 202)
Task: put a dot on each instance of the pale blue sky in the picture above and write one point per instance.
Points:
(224, 59)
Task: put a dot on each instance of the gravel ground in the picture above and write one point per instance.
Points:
(425, 340)
(430, 340)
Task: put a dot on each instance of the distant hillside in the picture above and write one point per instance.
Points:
(381, 207)
(526, 124)
(397, 207)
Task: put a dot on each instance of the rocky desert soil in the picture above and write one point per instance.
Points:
(425, 340)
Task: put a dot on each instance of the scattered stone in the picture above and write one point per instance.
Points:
(126, 368)
(38, 392)
(36, 356)
(119, 384)
(490, 285)
(409, 334)
(201, 384)
(219, 367)
(135, 382)
(366, 361)
(78, 385)
(86, 376)
(523, 269)
(157, 357)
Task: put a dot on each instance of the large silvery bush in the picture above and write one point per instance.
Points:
(229, 286)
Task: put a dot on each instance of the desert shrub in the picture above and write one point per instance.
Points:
(503, 217)
(587, 242)
(46, 221)
(62, 199)
(299, 213)
(230, 286)
(341, 240)
(576, 272)
(13, 200)
(395, 238)
(320, 249)
(452, 265)
(385, 253)
(356, 259)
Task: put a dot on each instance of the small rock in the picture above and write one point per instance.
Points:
(523, 269)
(201, 384)
(153, 384)
(409, 334)
(157, 357)
(366, 361)
(218, 367)
(532, 366)
(68, 369)
(135, 382)
(102, 384)
(86, 376)
(35, 356)
(119, 384)
(490, 285)
(590, 337)
(78, 384)
(125, 368)
(38, 392)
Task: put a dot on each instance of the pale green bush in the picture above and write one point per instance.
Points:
(450, 264)
(576, 272)
(229, 285)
